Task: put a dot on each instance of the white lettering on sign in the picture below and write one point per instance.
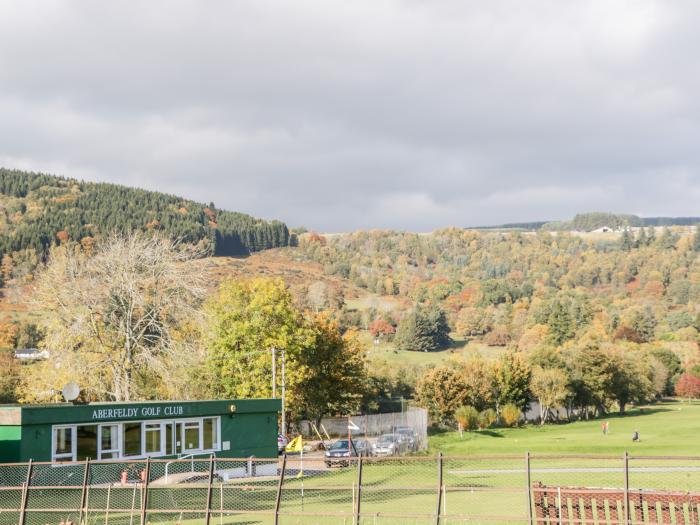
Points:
(173, 411)
(132, 412)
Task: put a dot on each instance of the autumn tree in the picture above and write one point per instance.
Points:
(325, 371)
(115, 320)
(549, 386)
(9, 378)
(442, 391)
(332, 371)
(381, 326)
(479, 378)
(688, 387)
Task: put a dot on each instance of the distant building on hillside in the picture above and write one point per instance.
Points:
(31, 354)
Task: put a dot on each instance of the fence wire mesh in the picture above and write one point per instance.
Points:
(412, 490)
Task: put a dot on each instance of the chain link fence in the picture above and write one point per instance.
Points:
(412, 490)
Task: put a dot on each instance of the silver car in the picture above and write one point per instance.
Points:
(388, 445)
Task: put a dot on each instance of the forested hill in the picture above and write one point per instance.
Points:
(38, 210)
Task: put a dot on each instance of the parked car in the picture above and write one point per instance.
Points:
(281, 443)
(338, 451)
(389, 445)
(408, 436)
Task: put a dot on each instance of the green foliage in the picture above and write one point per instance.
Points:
(425, 329)
(488, 418)
(512, 381)
(595, 220)
(644, 324)
(325, 372)
(672, 363)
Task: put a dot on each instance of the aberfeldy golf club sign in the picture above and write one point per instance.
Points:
(101, 414)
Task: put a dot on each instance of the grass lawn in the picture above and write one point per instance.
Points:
(670, 428)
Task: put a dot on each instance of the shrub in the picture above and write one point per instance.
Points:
(488, 418)
(510, 414)
(467, 418)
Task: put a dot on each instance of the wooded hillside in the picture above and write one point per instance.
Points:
(38, 210)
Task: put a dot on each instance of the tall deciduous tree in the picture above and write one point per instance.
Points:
(325, 371)
(333, 371)
(442, 391)
(115, 320)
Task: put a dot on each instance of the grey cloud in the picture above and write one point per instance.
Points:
(343, 115)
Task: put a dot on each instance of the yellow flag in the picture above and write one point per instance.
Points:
(295, 445)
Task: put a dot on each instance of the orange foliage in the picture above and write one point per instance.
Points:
(8, 332)
(315, 237)
(62, 236)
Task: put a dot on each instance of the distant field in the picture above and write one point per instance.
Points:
(670, 428)
(459, 349)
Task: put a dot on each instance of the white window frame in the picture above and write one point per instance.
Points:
(217, 429)
(118, 450)
(161, 433)
(185, 422)
(164, 436)
(74, 443)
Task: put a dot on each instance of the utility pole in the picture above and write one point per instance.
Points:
(274, 372)
(284, 385)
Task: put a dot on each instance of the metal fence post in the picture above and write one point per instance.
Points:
(25, 494)
(627, 487)
(83, 495)
(279, 489)
(528, 476)
(144, 499)
(209, 488)
(439, 489)
(359, 490)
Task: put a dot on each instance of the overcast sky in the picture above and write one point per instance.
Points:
(341, 115)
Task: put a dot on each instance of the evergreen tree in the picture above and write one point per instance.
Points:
(425, 329)
(626, 241)
(642, 237)
(561, 324)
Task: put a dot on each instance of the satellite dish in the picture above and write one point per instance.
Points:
(71, 391)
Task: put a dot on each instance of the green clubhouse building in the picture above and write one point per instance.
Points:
(164, 429)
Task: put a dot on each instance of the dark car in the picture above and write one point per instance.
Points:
(408, 436)
(338, 452)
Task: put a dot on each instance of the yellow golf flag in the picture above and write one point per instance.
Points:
(295, 445)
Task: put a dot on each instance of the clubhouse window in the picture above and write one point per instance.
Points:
(136, 439)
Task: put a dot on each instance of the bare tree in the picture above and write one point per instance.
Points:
(120, 318)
